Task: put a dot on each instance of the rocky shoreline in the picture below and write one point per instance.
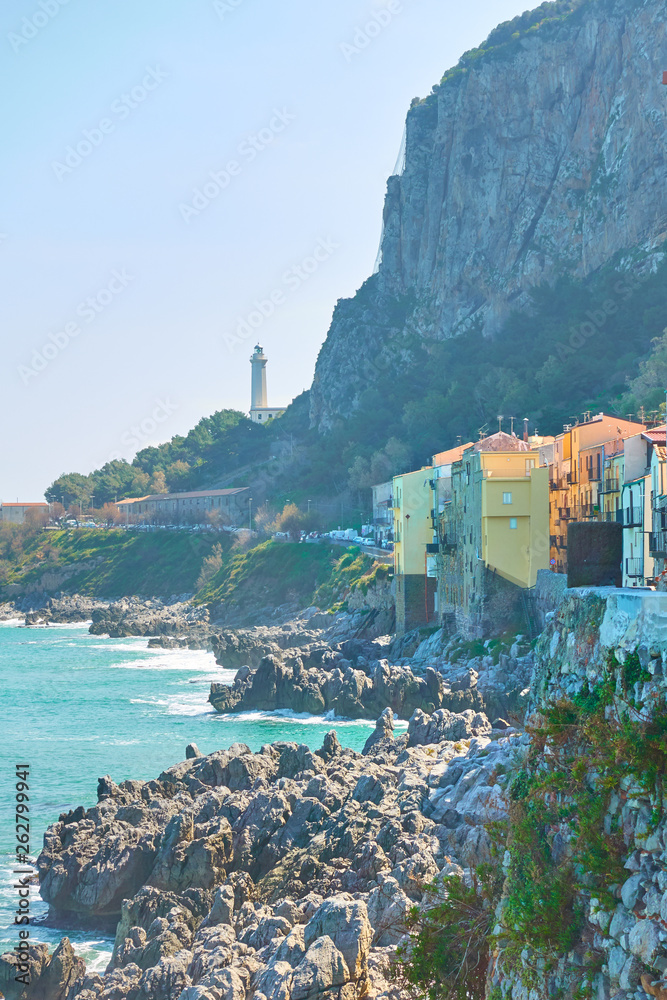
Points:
(313, 661)
(283, 873)
(286, 873)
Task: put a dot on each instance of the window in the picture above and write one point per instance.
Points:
(513, 523)
(507, 498)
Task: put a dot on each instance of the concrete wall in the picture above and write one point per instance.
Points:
(414, 601)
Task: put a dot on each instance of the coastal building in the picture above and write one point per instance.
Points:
(414, 549)
(260, 411)
(638, 502)
(383, 514)
(18, 513)
(230, 507)
(442, 474)
(493, 535)
(576, 472)
(658, 536)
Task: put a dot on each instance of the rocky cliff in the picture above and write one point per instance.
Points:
(541, 154)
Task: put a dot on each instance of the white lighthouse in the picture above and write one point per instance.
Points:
(259, 411)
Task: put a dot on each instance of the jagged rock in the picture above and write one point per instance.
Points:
(444, 725)
(384, 730)
(191, 751)
(286, 683)
(319, 857)
(321, 969)
(49, 977)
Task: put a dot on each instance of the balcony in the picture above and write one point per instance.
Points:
(658, 544)
(612, 516)
(609, 486)
(634, 568)
(632, 517)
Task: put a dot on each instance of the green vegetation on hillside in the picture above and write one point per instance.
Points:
(217, 446)
(582, 345)
(581, 751)
(509, 32)
(217, 567)
(101, 563)
(276, 573)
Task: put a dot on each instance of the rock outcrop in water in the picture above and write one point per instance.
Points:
(280, 874)
(287, 684)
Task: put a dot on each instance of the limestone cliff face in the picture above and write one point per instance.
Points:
(544, 155)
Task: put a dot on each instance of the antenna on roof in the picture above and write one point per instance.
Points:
(512, 426)
(500, 423)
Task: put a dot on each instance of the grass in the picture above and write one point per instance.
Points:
(274, 573)
(113, 563)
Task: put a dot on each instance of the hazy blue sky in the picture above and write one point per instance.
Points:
(115, 112)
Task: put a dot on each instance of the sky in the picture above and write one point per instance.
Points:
(182, 179)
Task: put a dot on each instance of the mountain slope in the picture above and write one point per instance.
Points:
(540, 155)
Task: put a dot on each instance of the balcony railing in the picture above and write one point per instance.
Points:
(609, 486)
(612, 516)
(634, 567)
(658, 544)
(632, 517)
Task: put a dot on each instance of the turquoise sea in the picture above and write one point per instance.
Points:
(78, 706)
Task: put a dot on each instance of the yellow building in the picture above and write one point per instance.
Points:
(493, 535)
(414, 564)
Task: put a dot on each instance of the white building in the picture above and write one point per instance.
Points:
(16, 513)
(638, 502)
(260, 412)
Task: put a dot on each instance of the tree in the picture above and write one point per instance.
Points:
(70, 488)
(211, 565)
(158, 482)
(266, 520)
(291, 520)
(110, 514)
(37, 517)
(57, 511)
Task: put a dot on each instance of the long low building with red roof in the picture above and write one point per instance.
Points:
(16, 513)
(233, 506)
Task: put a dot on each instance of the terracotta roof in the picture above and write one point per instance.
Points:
(500, 441)
(185, 496)
(452, 455)
(661, 452)
(656, 434)
(39, 503)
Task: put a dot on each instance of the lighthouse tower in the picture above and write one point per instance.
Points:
(259, 411)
